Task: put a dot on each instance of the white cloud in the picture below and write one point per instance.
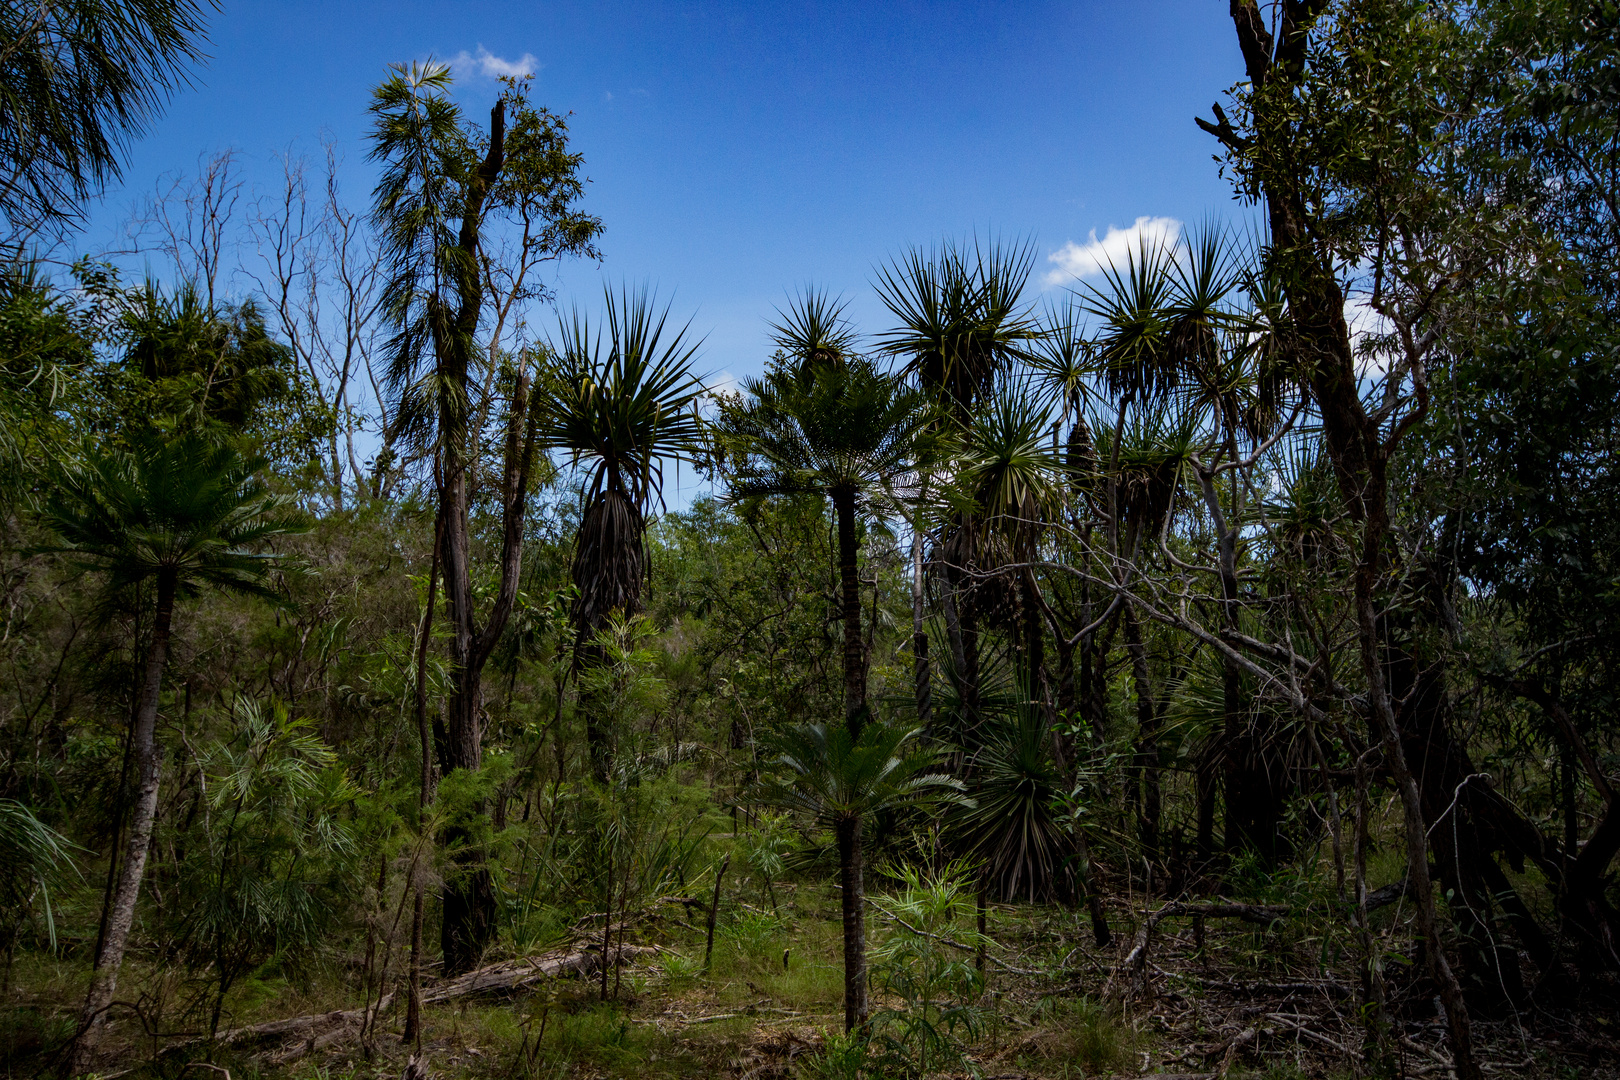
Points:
(1083, 260)
(487, 64)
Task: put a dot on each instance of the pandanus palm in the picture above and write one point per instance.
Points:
(960, 320)
(841, 431)
(839, 780)
(960, 316)
(168, 520)
(1170, 327)
(1013, 479)
(622, 404)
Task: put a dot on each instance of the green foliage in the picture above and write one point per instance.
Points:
(843, 1056)
(1019, 826)
(78, 80)
(830, 776)
(848, 428)
(185, 509)
(34, 859)
(276, 847)
(935, 983)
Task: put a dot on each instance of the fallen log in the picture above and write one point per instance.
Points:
(293, 1037)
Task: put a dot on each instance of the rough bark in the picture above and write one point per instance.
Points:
(851, 873)
(1357, 448)
(469, 907)
(148, 763)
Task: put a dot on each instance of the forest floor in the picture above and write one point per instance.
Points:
(1225, 999)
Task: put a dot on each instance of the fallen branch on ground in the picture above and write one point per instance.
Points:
(1135, 962)
(294, 1037)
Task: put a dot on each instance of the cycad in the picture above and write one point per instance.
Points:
(843, 431)
(838, 780)
(176, 517)
(621, 403)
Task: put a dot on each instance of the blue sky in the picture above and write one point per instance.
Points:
(738, 150)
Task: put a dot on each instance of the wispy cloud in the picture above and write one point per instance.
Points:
(485, 63)
(1083, 260)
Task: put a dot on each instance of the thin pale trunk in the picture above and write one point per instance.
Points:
(857, 1006)
(854, 652)
(148, 770)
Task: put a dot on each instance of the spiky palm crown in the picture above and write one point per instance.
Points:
(1018, 827)
(827, 774)
(620, 402)
(813, 333)
(961, 318)
(822, 430)
(1156, 445)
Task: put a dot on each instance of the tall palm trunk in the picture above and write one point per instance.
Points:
(148, 769)
(851, 873)
(854, 652)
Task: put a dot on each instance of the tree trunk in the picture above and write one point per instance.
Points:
(1147, 736)
(469, 907)
(1417, 845)
(919, 638)
(851, 876)
(148, 769)
(854, 653)
(413, 1012)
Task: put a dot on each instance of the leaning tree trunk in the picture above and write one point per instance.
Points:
(148, 769)
(857, 1007)
(854, 651)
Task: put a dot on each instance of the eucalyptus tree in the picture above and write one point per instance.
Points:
(621, 401)
(843, 431)
(78, 80)
(162, 523)
(1298, 146)
(445, 184)
(839, 779)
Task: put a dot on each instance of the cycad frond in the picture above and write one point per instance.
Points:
(189, 508)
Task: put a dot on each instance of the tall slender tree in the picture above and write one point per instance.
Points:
(162, 523)
(843, 431)
(840, 779)
(442, 180)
